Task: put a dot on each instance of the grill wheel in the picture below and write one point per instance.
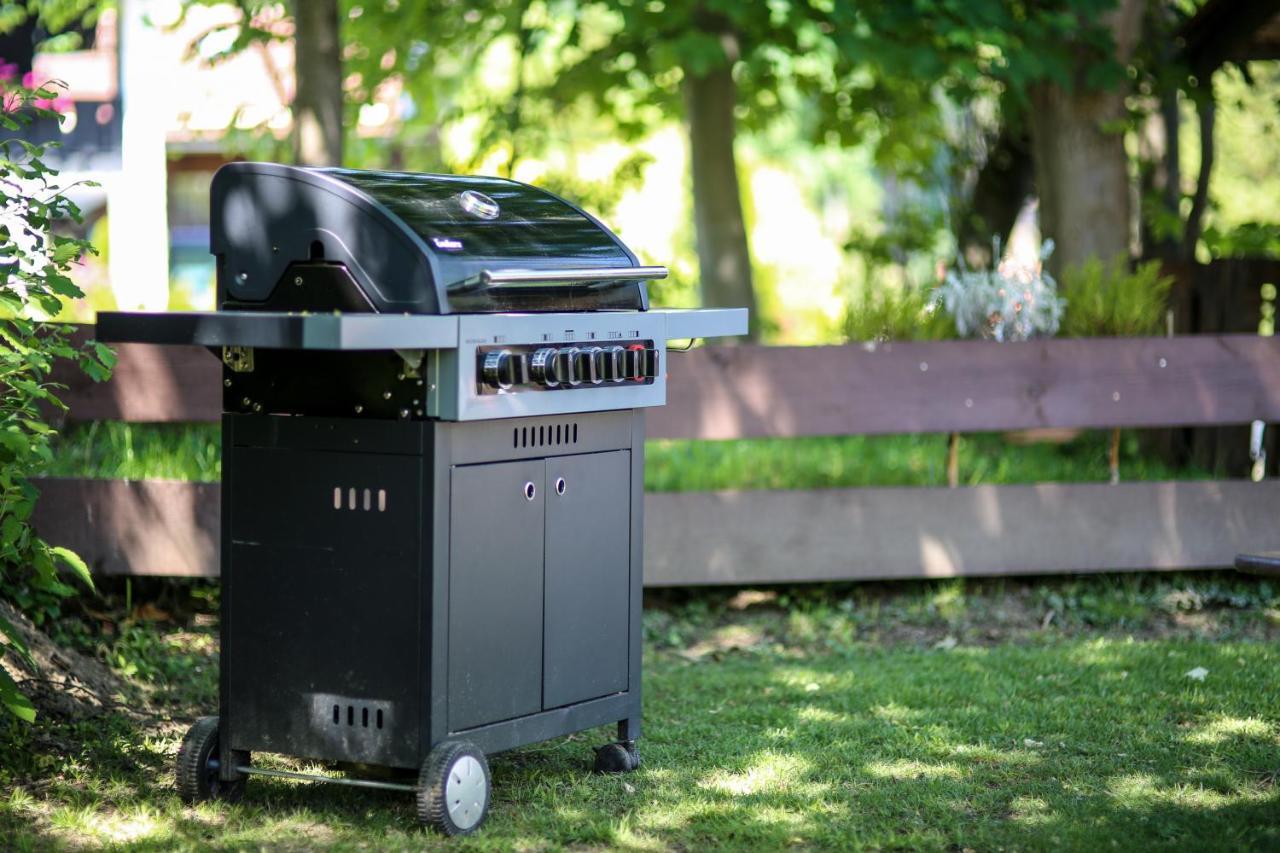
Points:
(454, 788)
(197, 781)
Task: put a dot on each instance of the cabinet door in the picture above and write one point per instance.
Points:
(588, 565)
(495, 592)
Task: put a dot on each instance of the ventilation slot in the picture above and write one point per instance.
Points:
(362, 500)
(547, 435)
(362, 719)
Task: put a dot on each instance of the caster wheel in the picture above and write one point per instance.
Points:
(197, 780)
(617, 758)
(453, 789)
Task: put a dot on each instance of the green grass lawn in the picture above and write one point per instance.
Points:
(192, 452)
(952, 715)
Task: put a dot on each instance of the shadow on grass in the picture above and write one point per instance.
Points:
(1077, 745)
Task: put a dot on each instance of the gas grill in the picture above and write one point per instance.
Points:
(433, 441)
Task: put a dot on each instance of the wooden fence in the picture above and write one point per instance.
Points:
(167, 528)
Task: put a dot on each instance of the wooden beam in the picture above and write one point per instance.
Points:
(969, 386)
(149, 384)
(941, 386)
(167, 528)
(883, 533)
(139, 527)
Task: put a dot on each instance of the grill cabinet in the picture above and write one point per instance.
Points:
(433, 444)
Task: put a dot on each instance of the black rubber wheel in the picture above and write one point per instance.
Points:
(617, 758)
(453, 789)
(197, 781)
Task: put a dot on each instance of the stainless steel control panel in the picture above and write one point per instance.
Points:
(509, 365)
(567, 367)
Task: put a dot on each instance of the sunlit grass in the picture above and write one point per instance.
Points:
(835, 721)
(193, 452)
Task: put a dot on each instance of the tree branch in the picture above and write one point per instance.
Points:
(1205, 111)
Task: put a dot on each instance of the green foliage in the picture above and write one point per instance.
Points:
(53, 16)
(34, 262)
(896, 314)
(1110, 300)
(1249, 240)
(843, 74)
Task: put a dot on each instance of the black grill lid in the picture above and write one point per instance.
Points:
(418, 243)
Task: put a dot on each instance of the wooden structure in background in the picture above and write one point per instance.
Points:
(165, 528)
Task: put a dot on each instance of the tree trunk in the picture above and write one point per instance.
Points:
(317, 100)
(723, 260)
(1082, 174)
(1082, 171)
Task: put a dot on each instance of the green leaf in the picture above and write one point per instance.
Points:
(11, 697)
(13, 641)
(72, 559)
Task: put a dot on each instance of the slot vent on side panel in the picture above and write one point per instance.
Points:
(544, 435)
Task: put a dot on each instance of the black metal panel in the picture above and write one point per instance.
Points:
(528, 223)
(323, 608)
(325, 384)
(495, 592)
(335, 434)
(559, 722)
(588, 556)
(310, 286)
(432, 610)
(403, 237)
(264, 217)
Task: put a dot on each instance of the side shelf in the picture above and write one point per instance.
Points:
(279, 330)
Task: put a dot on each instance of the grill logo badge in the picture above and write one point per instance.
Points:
(478, 204)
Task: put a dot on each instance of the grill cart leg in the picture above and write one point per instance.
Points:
(198, 762)
(453, 789)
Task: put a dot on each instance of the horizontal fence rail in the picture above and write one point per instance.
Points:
(755, 391)
(169, 528)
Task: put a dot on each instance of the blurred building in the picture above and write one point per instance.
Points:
(151, 109)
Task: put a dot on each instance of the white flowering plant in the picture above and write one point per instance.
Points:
(1012, 301)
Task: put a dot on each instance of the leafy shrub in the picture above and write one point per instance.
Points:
(34, 263)
(896, 314)
(1011, 301)
(1108, 299)
(1248, 240)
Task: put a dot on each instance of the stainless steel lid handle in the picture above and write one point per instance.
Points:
(493, 278)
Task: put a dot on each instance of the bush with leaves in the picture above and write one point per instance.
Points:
(889, 313)
(1109, 299)
(34, 284)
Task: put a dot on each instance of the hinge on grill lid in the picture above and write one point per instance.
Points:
(239, 359)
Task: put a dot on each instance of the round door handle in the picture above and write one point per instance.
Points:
(560, 485)
(530, 491)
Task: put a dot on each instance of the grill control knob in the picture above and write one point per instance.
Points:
(650, 366)
(566, 367)
(503, 368)
(614, 364)
(591, 365)
(542, 368)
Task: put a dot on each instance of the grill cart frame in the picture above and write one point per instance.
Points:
(432, 522)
